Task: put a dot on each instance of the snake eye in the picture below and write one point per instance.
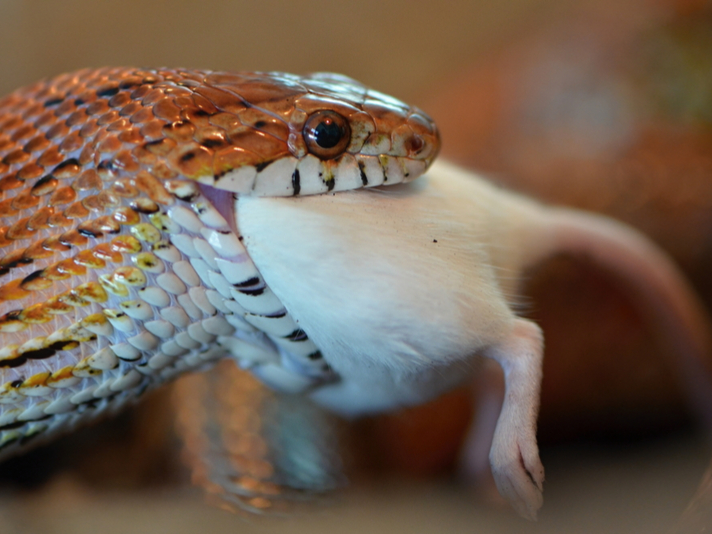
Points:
(327, 134)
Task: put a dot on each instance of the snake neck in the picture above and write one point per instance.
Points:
(181, 293)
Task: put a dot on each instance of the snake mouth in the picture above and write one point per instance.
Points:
(309, 175)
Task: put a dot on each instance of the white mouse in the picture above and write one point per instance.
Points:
(404, 289)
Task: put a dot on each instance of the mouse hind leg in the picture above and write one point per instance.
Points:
(514, 455)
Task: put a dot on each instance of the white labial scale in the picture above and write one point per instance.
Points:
(200, 297)
(392, 170)
(176, 316)
(186, 218)
(126, 352)
(372, 169)
(189, 306)
(238, 271)
(206, 251)
(224, 242)
(265, 303)
(184, 243)
(184, 270)
(311, 176)
(347, 175)
(277, 326)
(171, 283)
(275, 180)
(155, 296)
(240, 180)
(203, 270)
(413, 167)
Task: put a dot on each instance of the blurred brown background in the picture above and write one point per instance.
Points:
(603, 105)
(401, 47)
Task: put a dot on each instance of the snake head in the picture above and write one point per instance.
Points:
(317, 133)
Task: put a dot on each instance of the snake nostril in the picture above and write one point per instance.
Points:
(414, 144)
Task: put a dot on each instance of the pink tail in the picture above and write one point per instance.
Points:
(653, 280)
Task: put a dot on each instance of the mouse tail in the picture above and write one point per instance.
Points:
(657, 285)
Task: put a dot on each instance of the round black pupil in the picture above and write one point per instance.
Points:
(327, 133)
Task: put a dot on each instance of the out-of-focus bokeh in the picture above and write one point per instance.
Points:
(599, 104)
(400, 46)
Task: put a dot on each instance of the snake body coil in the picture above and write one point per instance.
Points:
(120, 266)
